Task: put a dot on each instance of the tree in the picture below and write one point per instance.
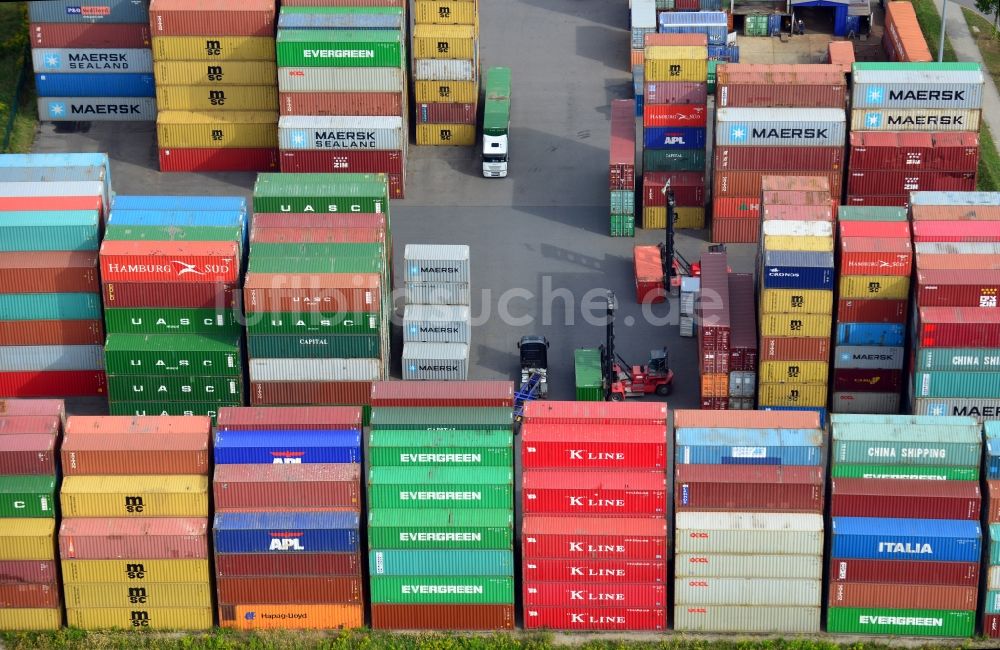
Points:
(991, 8)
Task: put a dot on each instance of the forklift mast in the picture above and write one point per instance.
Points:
(608, 355)
(667, 250)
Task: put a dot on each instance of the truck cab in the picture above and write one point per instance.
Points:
(496, 123)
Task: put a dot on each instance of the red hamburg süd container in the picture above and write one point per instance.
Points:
(793, 159)
(859, 594)
(594, 538)
(328, 293)
(674, 92)
(914, 151)
(598, 493)
(754, 488)
(442, 617)
(442, 393)
(955, 213)
(201, 295)
(743, 207)
(570, 446)
(32, 408)
(219, 160)
(29, 595)
(688, 187)
(797, 213)
(905, 572)
(735, 231)
(28, 454)
(648, 275)
(52, 332)
(622, 166)
(346, 104)
(587, 594)
(595, 412)
(115, 454)
(54, 383)
(957, 288)
(28, 571)
(958, 327)
(675, 115)
(794, 349)
(153, 538)
(905, 498)
(89, 35)
(20, 425)
(145, 425)
(743, 183)
(248, 565)
(49, 272)
(241, 418)
(689, 418)
(317, 235)
(302, 590)
(282, 488)
(956, 231)
(872, 183)
(325, 220)
(867, 380)
(169, 261)
(215, 17)
(342, 162)
(875, 256)
(445, 113)
(593, 571)
(306, 393)
(871, 311)
(897, 201)
(595, 618)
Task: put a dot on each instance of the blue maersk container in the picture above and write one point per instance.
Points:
(182, 203)
(437, 563)
(668, 137)
(880, 334)
(285, 533)
(270, 447)
(932, 540)
(129, 84)
(798, 270)
(89, 11)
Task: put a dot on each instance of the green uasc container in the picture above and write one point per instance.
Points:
(871, 213)
(181, 354)
(29, 496)
(441, 529)
(441, 487)
(426, 590)
(907, 444)
(72, 230)
(174, 389)
(441, 563)
(343, 346)
(174, 233)
(211, 409)
(589, 384)
(325, 250)
(50, 306)
(161, 320)
(900, 622)
(845, 470)
(374, 265)
(305, 193)
(673, 160)
(468, 448)
(339, 48)
(427, 418)
(315, 323)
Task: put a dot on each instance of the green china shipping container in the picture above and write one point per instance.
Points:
(428, 418)
(589, 381)
(50, 306)
(424, 590)
(161, 320)
(308, 193)
(900, 622)
(340, 48)
(174, 389)
(70, 230)
(437, 529)
(27, 496)
(440, 487)
(845, 470)
(179, 354)
(438, 563)
(317, 323)
(308, 346)
(958, 359)
(469, 448)
(906, 444)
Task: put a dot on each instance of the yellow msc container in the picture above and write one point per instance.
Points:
(140, 618)
(445, 12)
(676, 69)
(444, 42)
(33, 619)
(217, 129)
(686, 218)
(813, 395)
(798, 243)
(213, 48)
(159, 594)
(27, 539)
(796, 301)
(460, 92)
(218, 73)
(212, 98)
(796, 325)
(801, 372)
(134, 572)
(463, 135)
(875, 287)
(675, 53)
(134, 496)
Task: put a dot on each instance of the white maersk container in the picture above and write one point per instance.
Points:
(436, 263)
(436, 324)
(329, 132)
(788, 127)
(444, 70)
(436, 361)
(915, 119)
(917, 88)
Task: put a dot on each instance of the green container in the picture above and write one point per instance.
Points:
(900, 622)
(441, 487)
(31, 496)
(210, 409)
(372, 264)
(312, 323)
(755, 25)
(339, 48)
(471, 448)
(181, 354)
(943, 383)
(673, 160)
(622, 225)
(994, 544)
(429, 590)
(496, 104)
(919, 67)
(362, 250)
(589, 382)
(623, 202)
(843, 470)
(50, 306)
(382, 11)
(72, 230)
(344, 346)
(441, 529)
(441, 563)
(712, 65)
(958, 359)
(159, 320)
(426, 418)
(905, 444)
(992, 604)
(871, 213)
(174, 233)
(275, 192)
(175, 389)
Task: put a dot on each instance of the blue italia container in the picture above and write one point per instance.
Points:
(666, 137)
(95, 85)
(931, 540)
(286, 533)
(276, 447)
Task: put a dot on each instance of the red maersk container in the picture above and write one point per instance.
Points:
(957, 288)
(908, 498)
(648, 275)
(215, 17)
(958, 327)
(688, 187)
(169, 261)
(595, 412)
(594, 538)
(594, 493)
(611, 447)
(583, 592)
(621, 175)
(914, 151)
(595, 618)
(754, 488)
(594, 571)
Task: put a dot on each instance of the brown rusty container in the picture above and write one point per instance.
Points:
(27, 424)
(794, 349)
(32, 407)
(135, 454)
(49, 272)
(25, 453)
(249, 565)
(874, 594)
(302, 590)
(241, 418)
(905, 498)
(52, 332)
(29, 595)
(443, 617)
(341, 104)
(319, 235)
(286, 487)
(205, 295)
(309, 392)
(442, 393)
(89, 35)
(127, 424)
(28, 571)
(753, 488)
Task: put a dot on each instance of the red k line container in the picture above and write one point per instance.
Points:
(54, 383)
(675, 115)
(871, 311)
(648, 269)
(170, 261)
(329, 293)
(688, 187)
(115, 454)
(923, 597)
(203, 295)
(582, 592)
(568, 446)
(345, 104)
(956, 288)
(32, 408)
(595, 412)
(248, 565)
(906, 498)
(955, 213)
(49, 272)
(238, 159)
(89, 35)
(594, 538)
(164, 538)
(593, 571)
(797, 159)
(29, 595)
(443, 617)
(905, 572)
(317, 235)
(621, 175)
(302, 590)
(305, 393)
(442, 393)
(606, 494)
(755, 488)
(52, 332)
(282, 488)
(794, 349)
(735, 231)
(215, 17)
(958, 327)
(342, 162)
(325, 220)
(595, 618)
(867, 380)
(914, 151)
(893, 183)
(312, 417)
(145, 425)
(956, 231)
(28, 454)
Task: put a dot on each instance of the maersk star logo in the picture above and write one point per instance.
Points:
(873, 120)
(53, 61)
(738, 133)
(413, 368)
(876, 95)
(413, 329)
(937, 409)
(414, 269)
(57, 109)
(299, 139)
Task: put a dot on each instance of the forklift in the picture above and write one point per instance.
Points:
(534, 385)
(673, 263)
(622, 380)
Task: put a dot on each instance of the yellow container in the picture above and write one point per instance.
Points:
(213, 48)
(217, 98)
(159, 594)
(134, 572)
(812, 395)
(686, 218)
(796, 325)
(134, 496)
(676, 70)
(463, 135)
(30, 619)
(27, 539)
(675, 53)
(796, 301)
(459, 92)
(875, 287)
(140, 618)
(217, 129)
(800, 372)
(217, 73)
(445, 12)
(444, 42)
(798, 243)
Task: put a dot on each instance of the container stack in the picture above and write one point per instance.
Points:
(216, 88)
(437, 325)
(287, 494)
(342, 77)
(92, 63)
(905, 533)
(621, 171)
(749, 500)
(991, 603)
(875, 261)
(773, 120)
(914, 127)
(171, 269)
(29, 580)
(642, 20)
(712, 311)
(742, 342)
(51, 333)
(134, 534)
(594, 497)
(446, 71)
(796, 280)
(441, 516)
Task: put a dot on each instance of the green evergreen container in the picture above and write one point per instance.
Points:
(50, 230)
(174, 389)
(313, 347)
(284, 249)
(441, 529)
(181, 354)
(339, 48)
(50, 306)
(673, 160)
(441, 487)
(28, 497)
(900, 622)
(441, 563)
(468, 448)
(437, 417)
(429, 590)
(871, 213)
(275, 192)
(211, 409)
(589, 383)
(161, 320)
(312, 323)
(844, 470)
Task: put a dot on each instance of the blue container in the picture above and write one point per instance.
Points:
(285, 533)
(184, 203)
(50, 160)
(638, 105)
(88, 11)
(340, 21)
(724, 53)
(222, 218)
(718, 437)
(58, 174)
(276, 447)
(774, 24)
(441, 563)
(667, 137)
(881, 334)
(710, 5)
(821, 411)
(748, 455)
(992, 463)
(797, 270)
(50, 306)
(932, 540)
(692, 18)
(129, 84)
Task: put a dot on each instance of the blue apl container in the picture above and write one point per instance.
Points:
(183, 203)
(89, 11)
(129, 84)
(286, 533)
(277, 447)
(797, 270)
(667, 137)
(340, 21)
(881, 334)
(748, 455)
(937, 540)
(441, 563)
(821, 411)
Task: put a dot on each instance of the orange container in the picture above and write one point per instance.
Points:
(291, 617)
(146, 425)
(687, 419)
(841, 54)
(715, 385)
(903, 39)
(638, 57)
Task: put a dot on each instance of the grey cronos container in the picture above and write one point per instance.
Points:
(437, 361)
(92, 60)
(436, 324)
(436, 263)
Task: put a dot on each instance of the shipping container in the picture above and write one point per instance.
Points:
(594, 538)
(800, 567)
(885, 471)
(89, 35)
(595, 618)
(28, 539)
(556, 594)
(302, 590)
(315, 370)
(54, 383)
(217, 129)
(31, 619)
(268, 446)
(594, 493)
(23, 596)
(111, 454)
(134, 496)
(75, 230)
(435, 487)
(61, 357)
(780, 126)
(212, 96)
(435, 617)
(277, 488)
(594, 571)
(124, 595)
(755, 488)
(749, 533)
(136, 571)
(435, 563)
(746, 619)
(420, 590)
(313, 532)
(194, 159)
(915, 622)
(167, 538)
(457, 448)
(162, 618)
(773, 592)
(917, 499)
(435, 529)
(291, 617)
(905, 539)
(308, 564)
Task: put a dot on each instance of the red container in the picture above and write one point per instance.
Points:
(871, 311)
(328, 293)
(713, 307)
(743, 207)
(168, 261)
(715, 403)
(216, 17)
(594, 572)
(342, 162)
(594, 538)
(621, 175)
(52, 332)
(797, 159)
(675, 115)
(29, 595)
(686, 5)
(116, 454)
(302, 590)
(687, 418)
(10, 408)
(570, 446)
(202, 295)
(317, 235)
(442, 393)
(992, 506)
(797, 197)
(442, 617)
(776, 85)
(146, 425)
(955, 213)
(956, 231)
(753, 488)
(794, 349)
(281, 488)
(28, 454)
(906, 498)
(735, 231)
(445, 113)
(957, 288)
(35, 203)
(247, 565)
(783, 182)
(648, 275)
(966, 261)
(864, 380)
(905, 572)
(306, 393)
(797, 213)
(743, 339)
(688, 187)
(347, 104)
(595, 412)
(909, 150)
(594, 618)
(53, 383)
(594, 493)
(674, 92)
(218, 160)
(241, 418)
(958, 327)
(875, 256)
(740, 183)
(844, 594)
(89, 35)
(586, 594)
(991, 626)
(152, 538)
(897, 201)
(714, 363)
(895, 183)
(21, 425)
(326, 220)
(865, 230)
(49, 272)
(27, 572)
